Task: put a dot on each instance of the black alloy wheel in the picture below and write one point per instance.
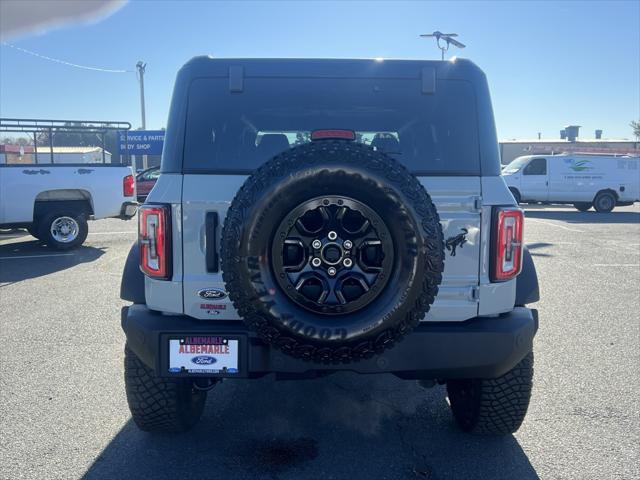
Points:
(332, 255)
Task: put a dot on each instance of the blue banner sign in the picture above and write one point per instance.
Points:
(141, 142)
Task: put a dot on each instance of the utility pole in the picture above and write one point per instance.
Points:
(141, 66)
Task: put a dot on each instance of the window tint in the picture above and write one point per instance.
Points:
(235, 132)
(537, 166)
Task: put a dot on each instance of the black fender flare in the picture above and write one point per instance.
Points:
(132, 285)
(527, 290)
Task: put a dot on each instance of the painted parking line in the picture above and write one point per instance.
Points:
(529, 219)
(37, 256)
(112, 233)
(637, 265)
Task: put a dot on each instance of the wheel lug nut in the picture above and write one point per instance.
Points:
(316, 244)
(347, 244)
(331, 271)
(347, 262)
(316, 262)
(332, 235)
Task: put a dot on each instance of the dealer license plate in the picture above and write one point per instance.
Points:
(203, 354)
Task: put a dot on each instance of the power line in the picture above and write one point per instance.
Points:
(63, 62)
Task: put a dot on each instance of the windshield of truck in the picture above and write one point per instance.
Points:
(235, 132)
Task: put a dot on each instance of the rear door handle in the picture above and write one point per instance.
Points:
(211, 242)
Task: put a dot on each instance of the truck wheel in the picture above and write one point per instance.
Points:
(604, 202)
(160, 404)
(63, 229)
(582, 206)
(493, 406)
(516, 195)
(332, 252)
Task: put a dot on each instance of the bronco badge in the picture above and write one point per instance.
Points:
(456, 241)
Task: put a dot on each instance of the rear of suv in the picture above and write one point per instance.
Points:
(314, 216)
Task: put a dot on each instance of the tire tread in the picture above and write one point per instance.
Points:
(159, 404)
(500, 404)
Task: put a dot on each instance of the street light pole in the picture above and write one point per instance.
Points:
(141, 66)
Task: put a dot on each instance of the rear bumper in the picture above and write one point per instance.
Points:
(484, 347)
(128, 210)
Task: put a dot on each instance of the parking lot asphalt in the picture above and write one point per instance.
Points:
(63, 412)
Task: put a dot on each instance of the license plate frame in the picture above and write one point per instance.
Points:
(212, 348)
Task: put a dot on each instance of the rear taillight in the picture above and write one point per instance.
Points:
(128, 184)
(154, 238)
(507, 244)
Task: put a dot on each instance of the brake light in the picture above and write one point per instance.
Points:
(507, 248)
(154, 238)
(128, 184)
(333, 133)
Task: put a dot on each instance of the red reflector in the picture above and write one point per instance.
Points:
(507, 248)
(127, 186)
(323, 134)
(154, 238)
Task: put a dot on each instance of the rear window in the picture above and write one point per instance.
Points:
(235, 132)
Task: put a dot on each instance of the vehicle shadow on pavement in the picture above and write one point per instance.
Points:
(343, 426)
(536, 246)
(30, 259)
(585, 217)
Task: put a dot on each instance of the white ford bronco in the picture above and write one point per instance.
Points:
(315, 216)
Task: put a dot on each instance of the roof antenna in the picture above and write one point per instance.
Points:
(445, 37)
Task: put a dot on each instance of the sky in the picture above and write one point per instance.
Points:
(549, 64)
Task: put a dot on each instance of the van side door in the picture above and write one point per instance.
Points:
(534, 181)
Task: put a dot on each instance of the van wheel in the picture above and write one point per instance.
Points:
(63, 229)
(582, 206)
(516, 195)
(494, 406)
(604, 202)
(160, 404)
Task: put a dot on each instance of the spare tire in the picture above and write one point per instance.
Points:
(332, 251)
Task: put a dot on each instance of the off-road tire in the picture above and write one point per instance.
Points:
(493, 406)
(583, 206)
(604, 202)
(44, 229)
(331, 166)
(159, 404)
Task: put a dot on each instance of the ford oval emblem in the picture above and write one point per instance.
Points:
(212, 293)
(203, 360)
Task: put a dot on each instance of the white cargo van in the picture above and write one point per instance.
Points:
(585, 181)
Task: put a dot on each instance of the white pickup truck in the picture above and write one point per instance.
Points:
(54, 201)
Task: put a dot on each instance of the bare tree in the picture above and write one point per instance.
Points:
(636, 128)
(16, 141)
